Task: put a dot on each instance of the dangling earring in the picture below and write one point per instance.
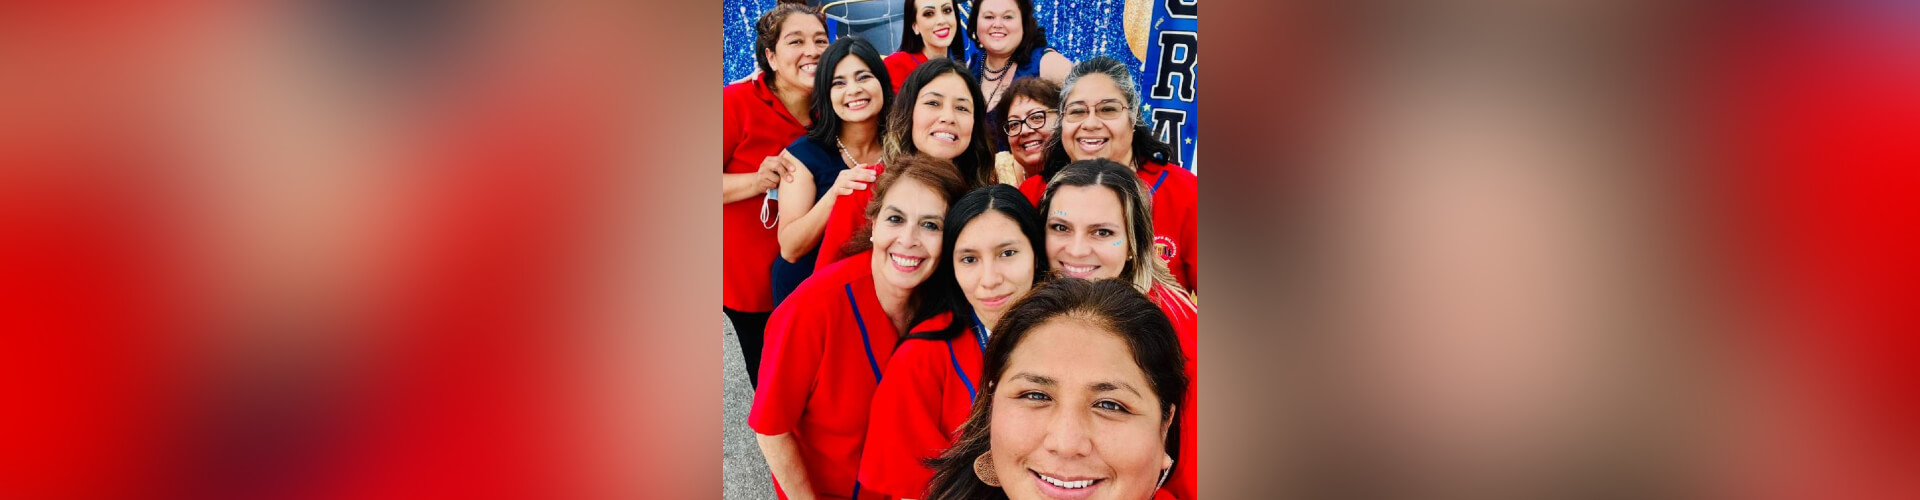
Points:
(983, 467)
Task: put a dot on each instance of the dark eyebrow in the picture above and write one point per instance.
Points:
(1114, 386)
(932, 217)
(1003, 244)
(1035, 379)
(935, 94)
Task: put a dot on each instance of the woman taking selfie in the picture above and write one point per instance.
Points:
(936, 113)
(1100, 118)
(828, 345)
(1098, 228)
(759, 117)
(1083, 381)
(839, 154)
(993, 258)
(932, 27)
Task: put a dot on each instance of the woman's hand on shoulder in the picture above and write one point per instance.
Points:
(773, 171)
(853, 179)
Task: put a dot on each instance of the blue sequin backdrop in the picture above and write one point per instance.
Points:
(1079, 29)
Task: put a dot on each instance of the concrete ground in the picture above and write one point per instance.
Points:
(743, 470)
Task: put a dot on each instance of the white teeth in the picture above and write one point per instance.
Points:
(1076, 269)
(905, 262)
(947, 136)
(1093, 142)
(1031, 145)
(1071, 485)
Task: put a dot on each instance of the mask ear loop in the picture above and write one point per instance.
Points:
(766, 213)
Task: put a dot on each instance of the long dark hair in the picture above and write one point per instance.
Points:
(767, 32)
(1032, 36)
(976, 163)
(912, 44)
(1146, 146)
(826, 122)
(945, 294)
(1108, 305)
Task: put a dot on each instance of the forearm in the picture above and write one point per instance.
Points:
(736, 187)
(783, 457)
(803, 234)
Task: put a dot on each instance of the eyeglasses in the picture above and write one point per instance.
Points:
(1108, 110)
(1036, 120)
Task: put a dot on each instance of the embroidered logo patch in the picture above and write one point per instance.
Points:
(1164, 246)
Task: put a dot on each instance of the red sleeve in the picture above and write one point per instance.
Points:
(1190, 240)
(730, 129)
(1185, 319)
(848, 212)
(905, 424)
(1034, 188)
(789, 363)
(898, 67)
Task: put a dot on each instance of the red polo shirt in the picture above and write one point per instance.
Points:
(1186, 320)
(827, 346)
(1176, 216)
(1176, 219)
(901, 64)
(929, 388)
(848, 216)
(754, 126)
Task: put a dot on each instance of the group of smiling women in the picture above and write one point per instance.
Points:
(921, 327)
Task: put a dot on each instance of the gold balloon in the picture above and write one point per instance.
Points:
(1138, 14)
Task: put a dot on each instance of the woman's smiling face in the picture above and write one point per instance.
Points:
(934, 21)
(1075, 417)
(796, 53)
(856, 91)
(1000, 27)
(1087, 232)
(1083, 130)
(943, 117)
(1029, 145)
(993, 262)
(906, 234)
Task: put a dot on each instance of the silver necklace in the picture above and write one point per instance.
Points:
(849, 156)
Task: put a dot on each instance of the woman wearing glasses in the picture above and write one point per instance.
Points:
(1012, 46)
(1029, 126)
(932, 27)
(1100, 118)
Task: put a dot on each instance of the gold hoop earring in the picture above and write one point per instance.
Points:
(983, 468)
